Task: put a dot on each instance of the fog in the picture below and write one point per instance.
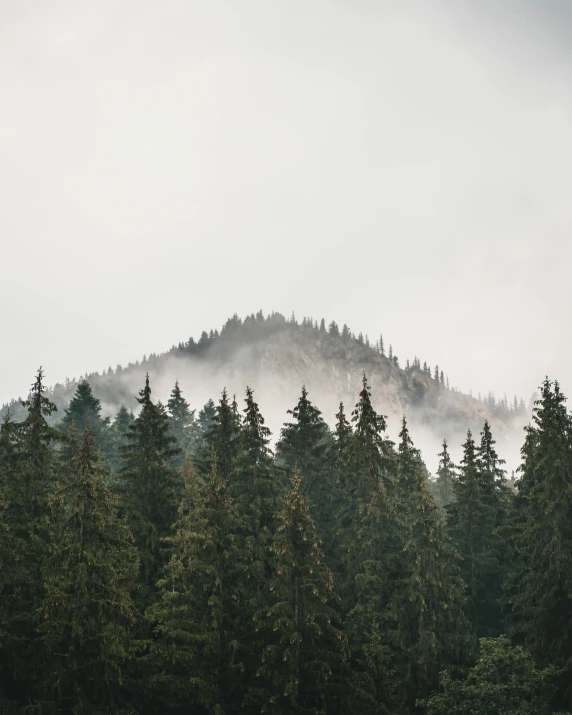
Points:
(405, 167)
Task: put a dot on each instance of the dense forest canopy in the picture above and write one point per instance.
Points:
(172, 561)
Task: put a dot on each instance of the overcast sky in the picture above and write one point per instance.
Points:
(405, 167)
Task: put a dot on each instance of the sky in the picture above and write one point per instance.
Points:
(401, 166)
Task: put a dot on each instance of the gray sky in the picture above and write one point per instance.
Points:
(405, 167)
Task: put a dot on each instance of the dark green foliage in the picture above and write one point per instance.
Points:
(304, 646)
(377, 567)
(86, 616)
(371, 451)
(234, 606)
(254, 484)
(149, 487)
(199, 429)
(429, 630)
(542, 591)
(474, 519)
(181, 418)
(196, 656)
(117, 438)
(302, 449)
(222, 437)
(84, 409)
(504, 681)
(37, 477)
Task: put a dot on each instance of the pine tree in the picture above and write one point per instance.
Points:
(255, 490)
(305, 649)
(117, 439)
(33, 467)
(222, 437)
(377, 556)
(200, 427)
(334, 330)
(446, 475)
(381, 348)
(302, 448)
(149, 486)
(541, 596)
(85, 408)
(86, 615)
(371, 451)
(38, 475)
(474, 517)
(7, 564)
(199, 616)
(426, 612)
(181, 417)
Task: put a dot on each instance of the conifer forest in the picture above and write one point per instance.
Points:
(173, 560)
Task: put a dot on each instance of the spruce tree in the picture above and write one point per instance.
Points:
(117, 439)
(428, 626)
(8, 555)
(254, 485)
(371, 451)
(28, 497)
(446, 475)
(255, 490)
(86, 616)
(200, 427)
(305, 648)
(302, 449)
(377, 558)
(199, 615)
(85, 408)
(181, 417)
(222, 437)
(149, 487)
(38, 477)
(541, 595)
(474, 518)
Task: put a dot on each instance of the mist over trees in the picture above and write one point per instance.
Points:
(171, 561)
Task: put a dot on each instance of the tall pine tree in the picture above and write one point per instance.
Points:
(305, 650)
(149, 486)
(86, 615)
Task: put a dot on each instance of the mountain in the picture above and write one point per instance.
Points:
(276, 356)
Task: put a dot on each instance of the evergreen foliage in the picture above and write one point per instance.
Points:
(304, 647)
(196, 656)
(210, 591)
(86, 615)
(429, 630)
(149, 486)
(181, 417)
(445, 481)
(542, 591)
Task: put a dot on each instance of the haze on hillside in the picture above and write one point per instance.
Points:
(404, 167)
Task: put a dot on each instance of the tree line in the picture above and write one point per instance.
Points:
(173, 563)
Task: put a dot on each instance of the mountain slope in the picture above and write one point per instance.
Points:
(276, 357)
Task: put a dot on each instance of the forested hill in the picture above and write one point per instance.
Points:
(275, 356)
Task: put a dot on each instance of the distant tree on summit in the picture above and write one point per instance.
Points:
(334, 330)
